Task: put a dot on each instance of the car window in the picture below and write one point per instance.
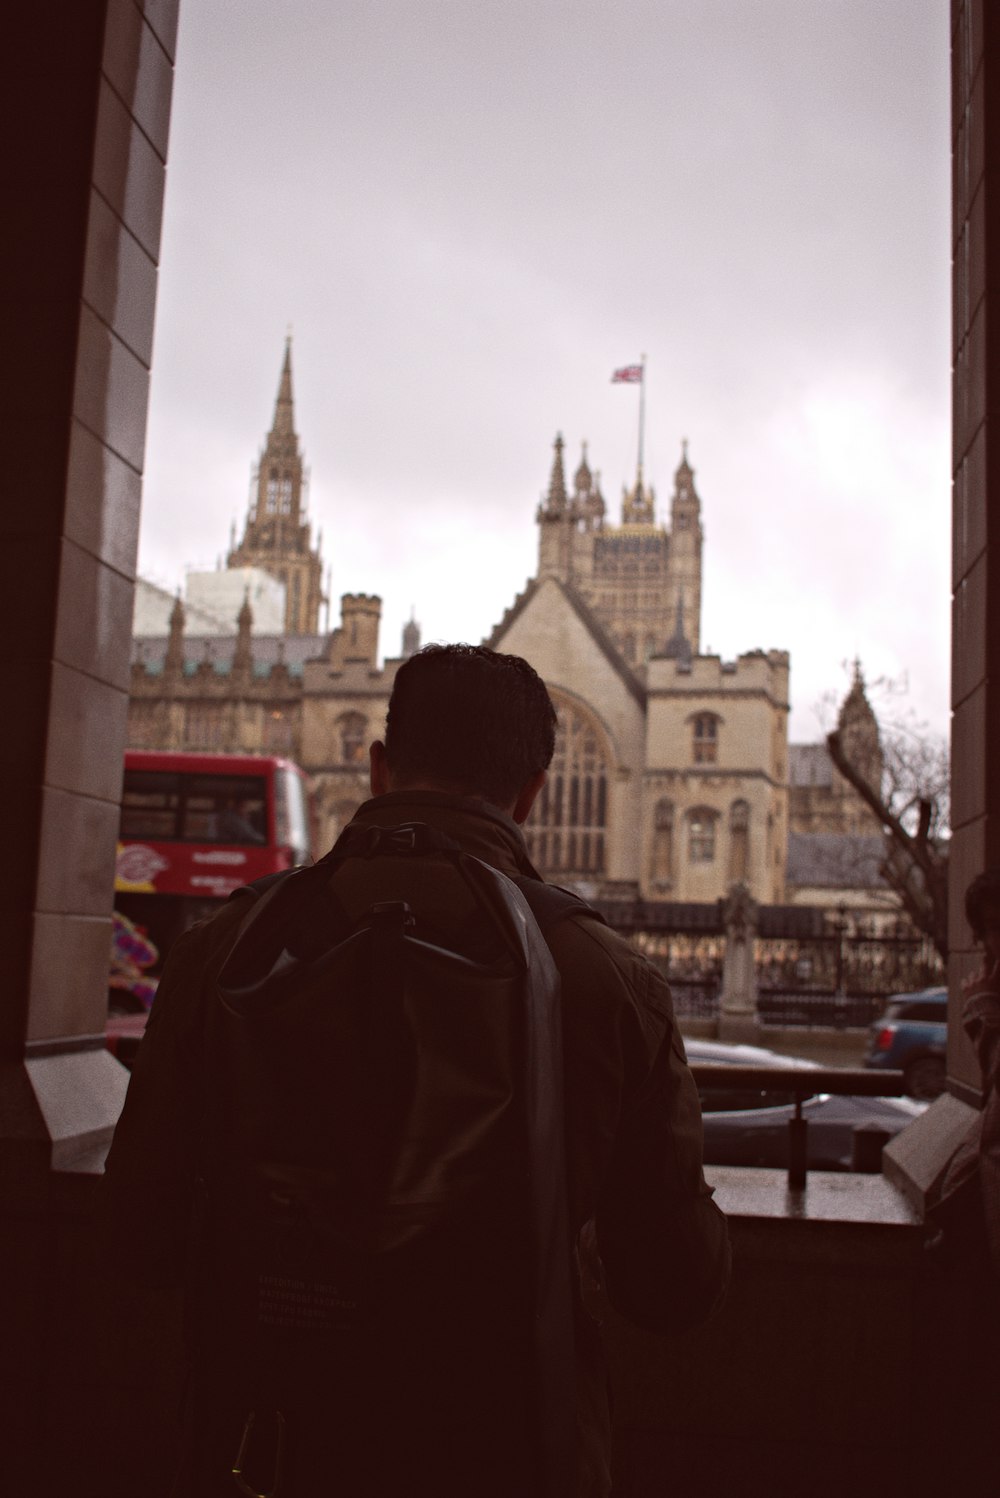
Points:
(936, 1013)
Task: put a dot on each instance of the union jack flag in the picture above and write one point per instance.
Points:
(629, 374)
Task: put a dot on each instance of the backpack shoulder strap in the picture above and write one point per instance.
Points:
(550, 904)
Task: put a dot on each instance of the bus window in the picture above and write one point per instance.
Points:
(291, 828)
(150, 805)
(225, 809)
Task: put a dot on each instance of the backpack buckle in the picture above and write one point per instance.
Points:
(279, 1451)
(403, 839)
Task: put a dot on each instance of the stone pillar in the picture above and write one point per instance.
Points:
(916, 1158)
(85, 109)
(89, 98)
(975, 688)
(738, 1004)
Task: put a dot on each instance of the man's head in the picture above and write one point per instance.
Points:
(467, 720)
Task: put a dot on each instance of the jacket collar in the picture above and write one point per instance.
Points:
(478, 827)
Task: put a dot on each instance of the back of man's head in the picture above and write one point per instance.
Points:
(469, 720)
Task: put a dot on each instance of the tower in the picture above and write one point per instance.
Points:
(686, 536)
(859, 732)
(277, 535)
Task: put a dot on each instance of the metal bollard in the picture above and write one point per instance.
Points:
(798, 1133)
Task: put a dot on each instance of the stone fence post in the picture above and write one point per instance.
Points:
(738, 1019)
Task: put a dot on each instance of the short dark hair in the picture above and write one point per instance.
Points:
(982, 892)
(470, 720)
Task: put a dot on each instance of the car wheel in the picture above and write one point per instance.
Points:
(924, 1078)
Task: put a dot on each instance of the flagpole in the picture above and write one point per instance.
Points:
(642, 408)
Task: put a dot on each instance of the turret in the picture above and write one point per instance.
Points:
(638, 503)
(356, 641)
(555, 521)
(685, 548)
(588, 502)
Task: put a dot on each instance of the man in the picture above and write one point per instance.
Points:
(469, 736)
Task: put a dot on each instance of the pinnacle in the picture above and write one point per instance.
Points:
(283, 424)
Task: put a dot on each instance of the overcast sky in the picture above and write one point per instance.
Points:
(471, 211)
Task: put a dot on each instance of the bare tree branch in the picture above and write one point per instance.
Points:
(915, 865)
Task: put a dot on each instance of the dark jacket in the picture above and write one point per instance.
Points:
(633, 1123)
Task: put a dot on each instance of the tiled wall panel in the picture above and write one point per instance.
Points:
(976, 495)
(93, 85)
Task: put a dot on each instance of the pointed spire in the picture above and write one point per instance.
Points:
(583, 479)
(859, 730)
(684, 476)
(556, 498)
(411, 636)
(243, 654)
(174, 659)
(283, 424)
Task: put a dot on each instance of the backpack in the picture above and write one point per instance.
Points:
(386, 1262)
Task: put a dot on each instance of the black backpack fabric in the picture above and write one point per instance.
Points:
(385, 1262)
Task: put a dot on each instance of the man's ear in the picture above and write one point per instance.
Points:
(378, 768)
(526, 796)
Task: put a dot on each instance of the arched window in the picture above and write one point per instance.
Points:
(701, 834)
(285, 495)
(567, 827)
(661, 870)
(353, 730)
(272, 492)
(278, 736)
(705, 743)
(739, 842)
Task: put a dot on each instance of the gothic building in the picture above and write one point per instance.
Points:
(277, 535)
(670, 778)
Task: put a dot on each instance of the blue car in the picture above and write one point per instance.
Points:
(912, 1037)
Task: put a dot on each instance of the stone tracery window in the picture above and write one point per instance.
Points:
(568, 824)
(353, 730)
(701, 834)
(204, 725)
(662, 859)
(705, 738)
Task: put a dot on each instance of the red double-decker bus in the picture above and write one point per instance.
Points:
(194, 827)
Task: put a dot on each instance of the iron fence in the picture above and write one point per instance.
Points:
(835, 971)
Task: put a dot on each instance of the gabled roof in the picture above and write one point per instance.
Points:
(590, 623)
